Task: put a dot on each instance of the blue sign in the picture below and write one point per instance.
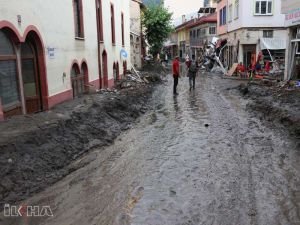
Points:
(123, 53)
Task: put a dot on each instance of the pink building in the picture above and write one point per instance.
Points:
(221, 15)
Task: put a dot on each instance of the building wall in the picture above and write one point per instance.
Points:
(250, 20)
(57, 32)
(221, 29)
(202, 39)
(54, 21)
(113, 51)
(135, 29)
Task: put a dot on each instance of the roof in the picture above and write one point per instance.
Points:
(185, 24)
(212, 18)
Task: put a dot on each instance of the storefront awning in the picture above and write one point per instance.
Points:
(272, 43)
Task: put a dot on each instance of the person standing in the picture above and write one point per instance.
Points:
(175, 74)
(192, 71)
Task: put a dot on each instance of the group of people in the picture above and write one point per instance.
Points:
(192, 69)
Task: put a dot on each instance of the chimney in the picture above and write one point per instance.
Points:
(183, 18)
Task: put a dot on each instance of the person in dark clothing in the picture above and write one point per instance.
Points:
(175, 74)
(192, 72)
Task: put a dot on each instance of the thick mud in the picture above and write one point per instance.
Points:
(275, 105)
(196, 158)
(38, 156)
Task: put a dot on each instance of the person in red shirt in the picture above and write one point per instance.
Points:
(175, 74)
(240, 69)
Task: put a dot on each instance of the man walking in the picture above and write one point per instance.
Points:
(175, 74)
(192, 71)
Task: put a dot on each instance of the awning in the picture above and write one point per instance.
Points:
(272, 43)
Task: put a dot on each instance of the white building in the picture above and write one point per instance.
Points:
(52, 51)
(250, 27)
(291, 9)
(136, 34)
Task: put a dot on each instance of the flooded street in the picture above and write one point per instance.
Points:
(198, 158)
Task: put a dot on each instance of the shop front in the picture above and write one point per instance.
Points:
(291, 9)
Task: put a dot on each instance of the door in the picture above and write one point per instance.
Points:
(31, 83)
(105, 69)
(77, 80)
(249, 52)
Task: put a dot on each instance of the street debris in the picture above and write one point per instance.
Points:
(275, 102)
(36, 151)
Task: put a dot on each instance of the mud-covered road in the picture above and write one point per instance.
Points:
(195, 159)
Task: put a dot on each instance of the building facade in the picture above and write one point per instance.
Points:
(251, 27)
(53, 51)
(136, 33)
(201, 33)
(291, 9)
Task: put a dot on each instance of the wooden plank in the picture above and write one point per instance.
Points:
(232, 70)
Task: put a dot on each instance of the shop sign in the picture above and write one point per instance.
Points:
(292, 17)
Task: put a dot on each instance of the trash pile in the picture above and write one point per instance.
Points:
(210, 58)
(134, 78)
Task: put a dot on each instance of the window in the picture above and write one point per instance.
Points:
(9, 91)
(122, 28)
(230, 13)
(112, 21)
(99, 20)
(212, 30)
(223, 16)
(263, 7)
(202, 32)
(268, 33)
(198, 32)
(194, 33)
(191, 33)
(236, 9)
(78, 17)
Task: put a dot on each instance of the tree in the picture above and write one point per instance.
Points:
(157, 23)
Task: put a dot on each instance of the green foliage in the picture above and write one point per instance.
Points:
(157, 23)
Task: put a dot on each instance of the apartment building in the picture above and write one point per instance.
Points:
(251, 27)
(291, 9)
(53, 51)
(201, 33)
(137, 43)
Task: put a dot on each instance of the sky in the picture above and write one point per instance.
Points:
(181, 7)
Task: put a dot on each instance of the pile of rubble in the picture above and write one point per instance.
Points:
(136, 78)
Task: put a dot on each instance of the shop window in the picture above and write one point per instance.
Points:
(263, 7)
(9, 92)
(268, 33)
(78, 17)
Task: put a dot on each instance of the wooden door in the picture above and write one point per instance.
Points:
(77, 80)
(31, 83)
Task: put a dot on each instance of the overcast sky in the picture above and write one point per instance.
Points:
(181, 7)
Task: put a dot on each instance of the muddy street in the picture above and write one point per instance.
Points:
(196, 158)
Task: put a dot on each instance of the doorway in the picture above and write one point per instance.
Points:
(77, 79)
(249, 55)
(105, 69)
(31, 82)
